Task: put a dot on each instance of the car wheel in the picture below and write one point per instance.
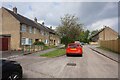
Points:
(15, 76)
(67, 55)
(81, 55)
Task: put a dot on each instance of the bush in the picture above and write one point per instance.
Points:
(66, 40)
(39, 43)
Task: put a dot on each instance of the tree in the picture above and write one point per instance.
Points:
(69, 29)
(84, 36)
(94, 32)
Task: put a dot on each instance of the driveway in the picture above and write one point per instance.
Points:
(91, 65)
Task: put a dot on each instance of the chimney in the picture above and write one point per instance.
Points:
(43, 23)
(35, 19)
(50, 27)
(15, 10)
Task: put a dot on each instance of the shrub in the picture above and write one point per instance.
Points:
(39, 43)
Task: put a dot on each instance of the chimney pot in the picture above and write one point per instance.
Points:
(35, 19)
(43, 23)
(15, 10)
(50, 27)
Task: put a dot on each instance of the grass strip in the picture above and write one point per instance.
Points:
(55, 53)
(106, 49)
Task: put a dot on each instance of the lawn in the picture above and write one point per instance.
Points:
(55, 53)
(48, 47)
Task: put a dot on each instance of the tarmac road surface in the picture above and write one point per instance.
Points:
(91, 65)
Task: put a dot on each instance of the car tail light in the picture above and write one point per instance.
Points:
(67, 49)
(73, 49)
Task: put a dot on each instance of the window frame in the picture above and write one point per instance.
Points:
(34, 30)
(23, 28)
(30, 29)
(30, 41)
(23, 41)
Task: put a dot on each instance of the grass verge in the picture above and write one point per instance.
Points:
(55, 53)
(48, 47)
(106, 49)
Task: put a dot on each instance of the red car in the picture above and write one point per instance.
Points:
(74, 49)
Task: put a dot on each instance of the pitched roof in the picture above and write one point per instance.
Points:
(51, 30)
(97, 33)
(27, 21)
(101, 31)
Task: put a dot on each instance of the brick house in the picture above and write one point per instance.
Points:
(24, 31)
(105, 34)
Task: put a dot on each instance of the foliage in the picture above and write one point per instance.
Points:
(39, 43)
(84, 36)
(69, 29)
(66, 40)
(94, 32)
(48, 47)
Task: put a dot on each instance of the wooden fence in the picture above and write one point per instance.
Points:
(113, 45)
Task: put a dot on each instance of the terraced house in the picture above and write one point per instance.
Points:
(17, 30)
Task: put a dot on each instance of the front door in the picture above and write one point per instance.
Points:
(4, 44)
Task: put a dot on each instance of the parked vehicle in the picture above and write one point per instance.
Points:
(11, 70)
(77, 42)
(82, 43)
(74, 49)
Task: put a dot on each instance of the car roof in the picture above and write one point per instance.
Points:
(74, 43)
(5, 61)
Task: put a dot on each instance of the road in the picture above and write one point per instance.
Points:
(91, 65)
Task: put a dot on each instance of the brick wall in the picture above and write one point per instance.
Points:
(10, 25)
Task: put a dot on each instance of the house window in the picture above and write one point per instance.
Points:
(23, 28)
(46, 41)
(42, 32)
(34, 30)
(30, 29)
(26, 41)
(23, 40)
(30, 41)
(46, 33)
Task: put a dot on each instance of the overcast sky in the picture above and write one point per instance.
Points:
(94, 15)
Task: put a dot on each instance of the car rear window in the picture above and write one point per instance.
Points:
(73, 45)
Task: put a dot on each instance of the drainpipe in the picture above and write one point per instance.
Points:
(20, 37)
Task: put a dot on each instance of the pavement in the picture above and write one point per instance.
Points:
(91, 65)
(15, 54)
(12, 54)
(107, 53)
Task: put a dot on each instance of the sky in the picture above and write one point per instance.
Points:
(94, 15)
